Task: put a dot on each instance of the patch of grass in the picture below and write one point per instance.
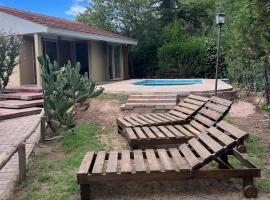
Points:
(229, 120)
(121, 97)
(55, 178)
(265, 107)
(257, 154)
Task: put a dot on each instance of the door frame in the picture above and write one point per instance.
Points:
(113, 61)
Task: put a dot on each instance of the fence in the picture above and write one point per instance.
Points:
(19, 146)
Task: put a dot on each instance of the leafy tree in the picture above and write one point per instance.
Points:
(9, 51)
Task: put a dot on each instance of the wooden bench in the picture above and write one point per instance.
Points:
(188, 107)
(152, 136)
(185, 162)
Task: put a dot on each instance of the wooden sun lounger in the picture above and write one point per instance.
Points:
(188, 107)
(152, 136)
(185, 162)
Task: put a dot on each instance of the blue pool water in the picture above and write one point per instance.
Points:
(163, 82)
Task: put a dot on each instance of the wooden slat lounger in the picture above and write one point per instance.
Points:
(184, 162)
(152, 136)
(188, 107)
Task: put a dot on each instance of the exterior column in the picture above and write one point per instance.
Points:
(38, 52)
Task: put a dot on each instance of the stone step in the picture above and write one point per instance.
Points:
(169, 96)
(22, 95)
(152, 101)
(13, 113)
(26, 88)
(18, 104)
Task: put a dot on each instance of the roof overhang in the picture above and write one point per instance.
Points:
(89, 36)
(11, 23)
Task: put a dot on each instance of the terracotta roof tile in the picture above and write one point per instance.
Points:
(60, 23)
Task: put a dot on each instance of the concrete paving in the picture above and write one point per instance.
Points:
(127, 87)
(11, 130)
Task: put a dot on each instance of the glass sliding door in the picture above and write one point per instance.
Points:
(114, 62)
(117, 64)
(50, 49)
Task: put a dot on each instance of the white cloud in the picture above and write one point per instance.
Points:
(76, 8)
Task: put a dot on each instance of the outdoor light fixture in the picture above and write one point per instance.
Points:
(220, 20)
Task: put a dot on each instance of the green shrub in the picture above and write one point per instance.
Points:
(182, 59)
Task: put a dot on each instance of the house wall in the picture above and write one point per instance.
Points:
(27, 67)
(98, 61)
(24, 72)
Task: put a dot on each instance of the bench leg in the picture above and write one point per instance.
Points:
(242, 148)
(224, 164)
(85, 192)
(249, 189)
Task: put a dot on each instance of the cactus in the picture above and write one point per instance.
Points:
(63, 88)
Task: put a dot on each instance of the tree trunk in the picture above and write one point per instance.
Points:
(266, 77)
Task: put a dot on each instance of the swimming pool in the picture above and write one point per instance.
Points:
(164, 82)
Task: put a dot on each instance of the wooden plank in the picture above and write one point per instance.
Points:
(221, 101)
(166, 117)
(123, 123)
(140, 133)
(150, 117)
(112, 162)
(184, 131)
(166, 132)
(199, 148)
(139, 161)
(174, 118)
(216, 107)
(197, 97)
(165, 160)
(175, 131)
(192, 101)
(192, 130)
(131, 134)
(85, 165)
(224, 138)
(184, 110)
(152, 160)
(210, 113)
(136, 118)
(198, 126)
(204, 120)
(99, 162)
(125, 163)
(189, 156)
(178, 114)
(188, 105)
(216, 147)
(236, 132)
(157, 132)
(178, 159)
(158, 117)
(148, 132)
(131, 121)
(149, 121)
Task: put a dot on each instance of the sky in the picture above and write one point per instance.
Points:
(66, 9)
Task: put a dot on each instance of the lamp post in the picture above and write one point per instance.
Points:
(220, 20)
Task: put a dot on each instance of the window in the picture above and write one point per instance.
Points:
(50, 49)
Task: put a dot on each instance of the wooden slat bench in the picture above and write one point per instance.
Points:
(174, 135)
(185, 162)
(152, 136)
(188, 107)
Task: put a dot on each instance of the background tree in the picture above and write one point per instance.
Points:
(9, 50)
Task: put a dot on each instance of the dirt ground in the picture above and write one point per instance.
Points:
(246, 116)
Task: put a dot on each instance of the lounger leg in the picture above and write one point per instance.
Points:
(249, 189)
(85, 192)
(242, 148)
(224, 162)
